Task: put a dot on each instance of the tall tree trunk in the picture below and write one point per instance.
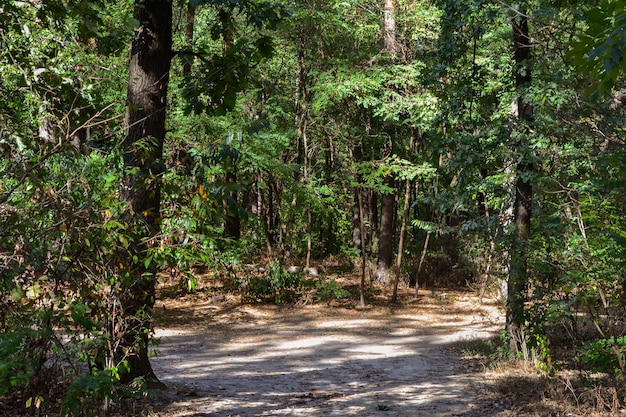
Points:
(149, 69)
(405, 221)
(388, 200)
(232, 219)
(302, 115)
(363, 252)
(387, 223)
(385, 237)
(518, 273)
(329, 238)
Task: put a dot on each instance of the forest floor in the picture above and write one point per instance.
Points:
(426, 357)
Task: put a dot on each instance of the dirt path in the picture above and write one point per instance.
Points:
(229, 360)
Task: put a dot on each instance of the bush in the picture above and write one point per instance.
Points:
(328, 290)
(277, 285)
(604, 355)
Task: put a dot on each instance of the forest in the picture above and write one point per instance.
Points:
(416, 144)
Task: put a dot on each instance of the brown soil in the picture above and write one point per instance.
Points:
(220, 357)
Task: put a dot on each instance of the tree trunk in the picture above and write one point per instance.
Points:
(363, 252)
(405, 221)
(420, 266)
(372, 219)
(189, 31)
(359, 237)
(302, 115)
(388, 200)
(272, 216)
(232, 220)
(329, 237)
(385, 237)
(389, 27)
(149, 69)
(518, 273)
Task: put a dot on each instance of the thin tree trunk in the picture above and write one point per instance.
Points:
(518, 273)
(420, 266)
(149, 69)
(309, 233)
(363, 251)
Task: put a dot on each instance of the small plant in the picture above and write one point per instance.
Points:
(478, 347)
(539, 341)
(277, 285)
(328, 290)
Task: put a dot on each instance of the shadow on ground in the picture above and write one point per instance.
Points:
(316, 361)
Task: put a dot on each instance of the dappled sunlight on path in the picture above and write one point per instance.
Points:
(316, 361)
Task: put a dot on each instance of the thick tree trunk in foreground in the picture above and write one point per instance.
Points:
(518, 273)
(143, 148)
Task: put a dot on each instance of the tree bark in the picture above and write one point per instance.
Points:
(363, 252)
(151, 53)
(272, 215)
(359, 237)
(189, 32)
(385, 237)
(388, 200)
(518, 273)
(389, 27)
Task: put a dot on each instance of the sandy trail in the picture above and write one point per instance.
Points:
(319, 361)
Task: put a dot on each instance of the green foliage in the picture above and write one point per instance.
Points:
(437, 114)
(235, 41)
(329, 290)
(276, 285)
(18, 358)
(604, 355)
(88, 391)
(598, 51)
